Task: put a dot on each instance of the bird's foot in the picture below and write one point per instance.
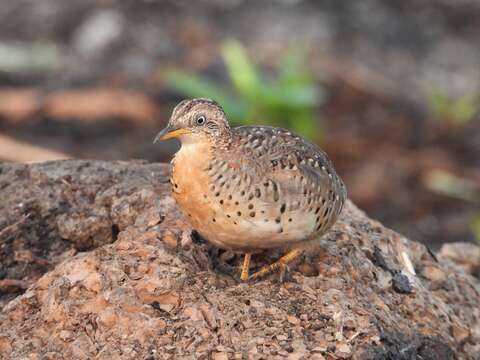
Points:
(246, 267)
(281, 264)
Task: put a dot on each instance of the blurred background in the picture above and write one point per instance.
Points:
(391, 90)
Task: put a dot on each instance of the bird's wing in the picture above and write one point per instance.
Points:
(285, 165)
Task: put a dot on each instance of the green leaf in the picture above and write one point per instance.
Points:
(241, 70)
(192, 85)
(291, 71)
(292, 97)
(465, 108)
(456, 111)
(475, 226)
(439, 103)
(304, 124)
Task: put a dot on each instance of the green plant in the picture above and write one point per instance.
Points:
(288, 100)
(455, 111)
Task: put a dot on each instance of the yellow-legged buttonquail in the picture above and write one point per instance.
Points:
(250, 188)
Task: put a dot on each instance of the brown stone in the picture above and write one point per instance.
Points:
(5, 346)
(433, 273)
(219, 356)
(170, 239)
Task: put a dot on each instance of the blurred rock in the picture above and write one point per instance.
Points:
(150, 295)
(433, 273)
(466, 255)
(98, 32)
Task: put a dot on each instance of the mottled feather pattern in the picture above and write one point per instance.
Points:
(275, 176)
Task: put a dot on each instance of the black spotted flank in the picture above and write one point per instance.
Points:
(276, 194)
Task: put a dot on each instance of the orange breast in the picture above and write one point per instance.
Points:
(190, 184)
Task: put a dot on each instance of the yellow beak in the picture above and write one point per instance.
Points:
(169, 133)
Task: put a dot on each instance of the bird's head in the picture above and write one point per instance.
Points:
(196, 120)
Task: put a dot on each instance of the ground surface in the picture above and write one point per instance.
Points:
(126, 281)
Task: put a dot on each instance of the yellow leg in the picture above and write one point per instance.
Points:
(280, 263)
(246, 267)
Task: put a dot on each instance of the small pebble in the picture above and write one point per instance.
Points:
(401, 284)
(170, 239)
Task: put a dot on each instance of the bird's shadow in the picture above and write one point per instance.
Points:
(229, 263)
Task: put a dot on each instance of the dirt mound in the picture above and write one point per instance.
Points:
(144, 288)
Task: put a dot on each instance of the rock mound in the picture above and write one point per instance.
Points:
(124, 279)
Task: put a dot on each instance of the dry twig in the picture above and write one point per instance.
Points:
(12, 285)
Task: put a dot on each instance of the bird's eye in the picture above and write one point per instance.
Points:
(201, 120)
